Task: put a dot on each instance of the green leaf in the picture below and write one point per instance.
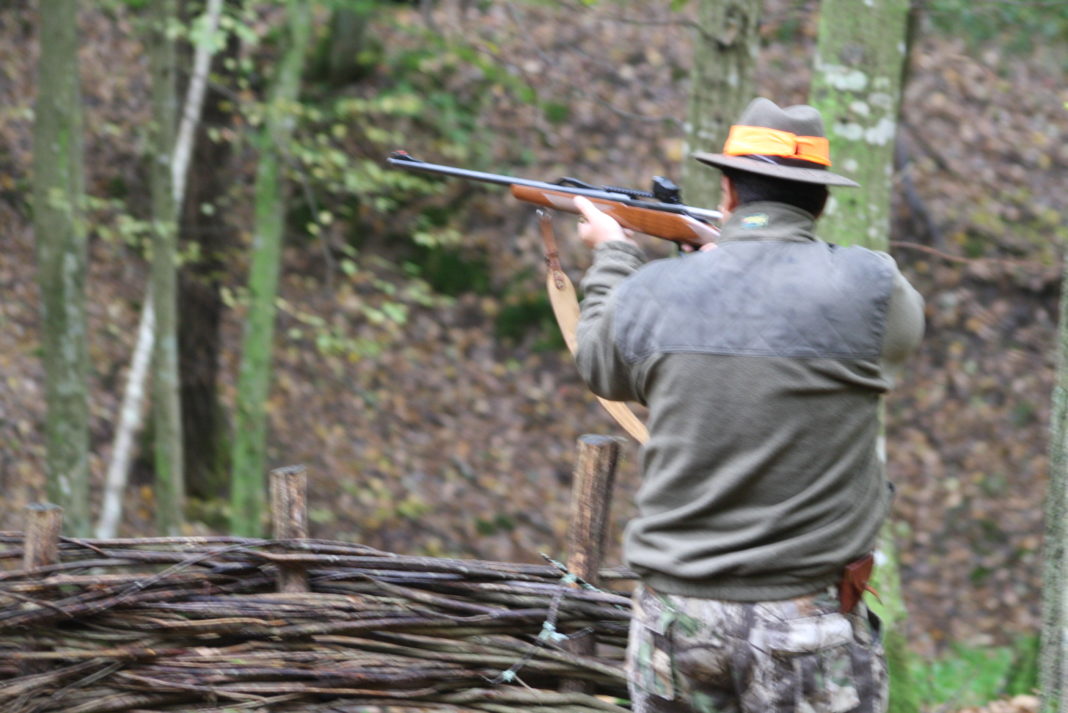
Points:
(395, 311)
(557, 112)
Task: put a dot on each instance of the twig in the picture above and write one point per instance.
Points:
(1007, 262)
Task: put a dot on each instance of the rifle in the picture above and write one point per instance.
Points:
(659, 212)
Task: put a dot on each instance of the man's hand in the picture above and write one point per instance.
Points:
(706, 237)
(596, 226)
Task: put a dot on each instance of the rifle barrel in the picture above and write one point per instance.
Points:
(413, 164)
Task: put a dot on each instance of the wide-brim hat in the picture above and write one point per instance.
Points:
(783, 143)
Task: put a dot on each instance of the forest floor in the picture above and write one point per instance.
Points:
(450, 438)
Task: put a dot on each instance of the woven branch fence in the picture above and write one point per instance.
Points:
(293, 624)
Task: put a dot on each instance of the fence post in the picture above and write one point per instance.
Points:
(289, 515)
(40, 548)
(44, 521)
(591, 499)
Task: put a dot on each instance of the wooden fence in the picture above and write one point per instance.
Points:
(229, 624)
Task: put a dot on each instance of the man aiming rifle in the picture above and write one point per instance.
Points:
(762, 359)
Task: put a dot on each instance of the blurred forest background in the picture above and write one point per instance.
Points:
(418, 373)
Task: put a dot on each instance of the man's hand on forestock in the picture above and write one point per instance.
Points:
(596, 226)
(707, 236)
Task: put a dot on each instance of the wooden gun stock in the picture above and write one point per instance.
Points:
(669, 226)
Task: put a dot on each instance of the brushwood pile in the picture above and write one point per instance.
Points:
(198, 624)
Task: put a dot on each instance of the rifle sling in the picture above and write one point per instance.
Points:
(566, 310)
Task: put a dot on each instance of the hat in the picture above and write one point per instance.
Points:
(783, 143)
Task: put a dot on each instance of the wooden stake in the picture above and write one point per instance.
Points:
(44, 521)
(591, 498)
(289, 513)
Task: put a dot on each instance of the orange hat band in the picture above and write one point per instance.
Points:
(745, 140)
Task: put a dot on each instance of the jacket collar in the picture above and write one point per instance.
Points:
(766, 221)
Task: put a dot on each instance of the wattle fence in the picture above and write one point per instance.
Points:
(228, 624)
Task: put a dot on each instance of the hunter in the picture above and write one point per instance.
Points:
(762, 359)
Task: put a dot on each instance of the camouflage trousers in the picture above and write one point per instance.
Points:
(690, 655)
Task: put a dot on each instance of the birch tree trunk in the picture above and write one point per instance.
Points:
(248, 481)
(166, 412)
(856, 85)
(129, 420)
(725, 51)
(58, 188)
(130, 412)
(1053, 659)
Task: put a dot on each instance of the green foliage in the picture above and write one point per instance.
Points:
(383, 305)
(329, 153)
(556, 112)
(974, 676)
(1022, 26)
(453, 271)
(1022, 676)
(969, 676)
(413, 92)
(501, 522)
(213, 512)
(1013, 223)
(422, 84)
(115, 225)
(342, 192)
(117, 5)
(237, 19)
(529, 312)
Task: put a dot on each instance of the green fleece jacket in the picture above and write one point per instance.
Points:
(762, 363)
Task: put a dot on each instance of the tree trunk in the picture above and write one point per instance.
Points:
(250, 426)
(58, 189)
(1053, 660)
(347, 38)
(166, 411)
(725, 50)
(205, 226)
(130, 413)
(204, 427)
(128, 419)
(857, 87)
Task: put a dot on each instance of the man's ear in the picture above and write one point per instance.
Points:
(728, 199)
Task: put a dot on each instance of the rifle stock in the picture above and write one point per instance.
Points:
(669, 226)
